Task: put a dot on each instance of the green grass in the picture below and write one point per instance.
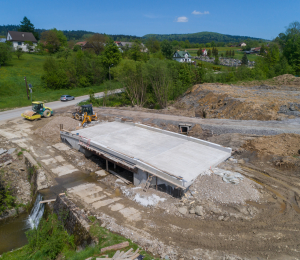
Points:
(12, 85)
(105, 238)
(238, 54)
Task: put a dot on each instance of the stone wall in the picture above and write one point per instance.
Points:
(74, 221)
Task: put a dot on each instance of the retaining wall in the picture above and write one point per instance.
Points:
(74, 221)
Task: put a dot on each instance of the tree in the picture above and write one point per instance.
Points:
(245, 59)
(18, 52)
(167, 49)
(153, 45)
(5, 53)
(27, 26)
(97, 42)
(209, 53)
(199, 52)
(29, 45)
(215, 51)
(232, 53)
(111, 55)
(135, 51)
(53, 40)
(76, 48)
(262, 50)
(217, 61)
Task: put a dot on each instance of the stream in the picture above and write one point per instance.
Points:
(12, 230)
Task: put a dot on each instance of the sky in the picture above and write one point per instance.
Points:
(256, 18)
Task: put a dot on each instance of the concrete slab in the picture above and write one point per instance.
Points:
(61, 147)
(116, 207)
(131, 214)
(59, 158)
(103, 203)
(49, 161)
(168, 152)
(63, 170)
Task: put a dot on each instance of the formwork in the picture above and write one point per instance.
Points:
(173, 160)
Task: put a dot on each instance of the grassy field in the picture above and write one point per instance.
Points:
(238, 54)
(13, 89)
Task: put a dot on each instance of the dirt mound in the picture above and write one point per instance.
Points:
(261, 102)
(279, 145)
(52, 129)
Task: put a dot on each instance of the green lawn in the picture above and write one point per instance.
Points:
(12, 85)
(238, 54)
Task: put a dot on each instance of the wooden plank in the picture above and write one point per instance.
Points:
(46, 201)
(115, 247)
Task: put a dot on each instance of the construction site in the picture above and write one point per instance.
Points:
(215, 175)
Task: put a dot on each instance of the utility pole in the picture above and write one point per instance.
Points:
(26, 88)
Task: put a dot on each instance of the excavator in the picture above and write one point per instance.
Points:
(85, 114)
(38, 110)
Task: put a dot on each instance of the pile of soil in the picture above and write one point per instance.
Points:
(278, 145)
(52, 128)
(261, 102)
(282, 80)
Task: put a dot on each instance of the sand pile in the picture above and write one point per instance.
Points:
(53, 127)
(279, 145)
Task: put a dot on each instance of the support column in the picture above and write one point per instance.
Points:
(107, 165)
(115, 166)
(156, 181)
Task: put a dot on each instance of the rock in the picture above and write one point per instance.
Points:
(2, 151)
(192, 211)
(183, 210)
(199, 210)
(11, 150)
(241, 161)
(221, 218)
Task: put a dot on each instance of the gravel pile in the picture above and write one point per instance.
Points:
(212, 187)
(52, 128)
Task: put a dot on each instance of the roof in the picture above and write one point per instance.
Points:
(182, 54)
(22, 36)
(81, 43)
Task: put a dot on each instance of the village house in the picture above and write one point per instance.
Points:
(204, 52)
(18, 40)
(242, 44)
(182, 56)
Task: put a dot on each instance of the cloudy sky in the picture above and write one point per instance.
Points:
(256, 18)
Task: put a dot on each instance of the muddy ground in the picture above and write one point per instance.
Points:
(258, 218)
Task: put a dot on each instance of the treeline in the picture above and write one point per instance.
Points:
(201, 37)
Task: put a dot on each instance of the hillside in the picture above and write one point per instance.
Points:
(201, 37)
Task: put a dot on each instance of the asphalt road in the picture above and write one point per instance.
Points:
(15, 113)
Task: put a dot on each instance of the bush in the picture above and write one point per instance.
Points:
(5, 53)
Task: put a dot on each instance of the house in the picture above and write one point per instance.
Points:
(129, 45)
(242, 44)
(18, 40)
(182, 56)
(82, 44)
(204, 52)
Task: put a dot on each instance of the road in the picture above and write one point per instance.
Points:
(15, 113)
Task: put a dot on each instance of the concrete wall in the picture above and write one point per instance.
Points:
(73, 220)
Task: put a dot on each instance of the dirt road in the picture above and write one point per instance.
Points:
(218, 126)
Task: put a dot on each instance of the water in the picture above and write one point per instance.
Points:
(12, 230)
(36, 213)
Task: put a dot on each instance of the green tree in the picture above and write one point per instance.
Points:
(27, 26)
(209, 53)
(217, 61)
(18, 52)
(5, 53)
(232, 53)
(135, 51)
(167, 49)
(199, 52)
(97, 42)
(28, 45)
(54, 39)
(245, 59)
(262, 50)
(153, 45)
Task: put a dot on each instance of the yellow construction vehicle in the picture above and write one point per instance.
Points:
(38, 110)
(85, 114)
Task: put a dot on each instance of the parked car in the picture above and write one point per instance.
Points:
(66, 98)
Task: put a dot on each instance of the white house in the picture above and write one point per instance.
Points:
(242, 44)
(18, 40)
(182, 56)
(204, 52)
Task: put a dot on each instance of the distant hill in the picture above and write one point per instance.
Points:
(201, 37)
